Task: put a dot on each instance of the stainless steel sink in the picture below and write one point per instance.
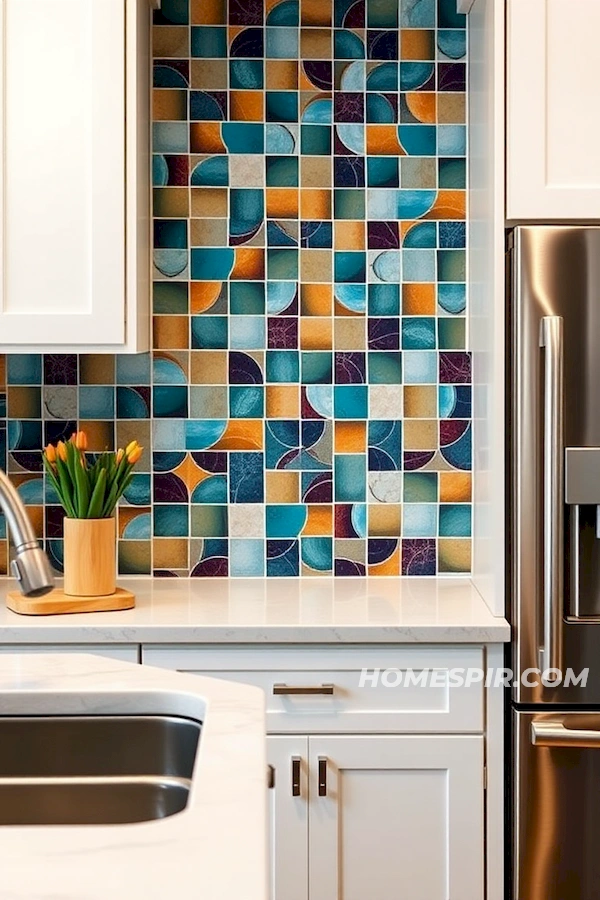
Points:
(85, 770)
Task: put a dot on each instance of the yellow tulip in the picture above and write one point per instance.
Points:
(120, 455)
(135, 454)
(130, 447)
(62, 451)
(50, 452)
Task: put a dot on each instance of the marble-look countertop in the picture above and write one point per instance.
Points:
(215, 849)
(273, 610)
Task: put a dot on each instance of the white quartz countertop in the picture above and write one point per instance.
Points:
(215, 849)
(285, 611)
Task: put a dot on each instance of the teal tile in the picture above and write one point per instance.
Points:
(247, 557)
(350, 478)
(350, 401)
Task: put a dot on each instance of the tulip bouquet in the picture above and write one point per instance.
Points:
(89, 490)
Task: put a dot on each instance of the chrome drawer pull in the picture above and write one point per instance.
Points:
(554, 734)
(299, 689)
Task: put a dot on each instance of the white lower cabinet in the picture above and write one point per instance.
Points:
(288, 817)
(359, 812)
(395, 816)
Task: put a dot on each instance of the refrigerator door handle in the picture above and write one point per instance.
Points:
(554, 734)
(551, 339)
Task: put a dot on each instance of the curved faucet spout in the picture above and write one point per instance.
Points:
(30, 566)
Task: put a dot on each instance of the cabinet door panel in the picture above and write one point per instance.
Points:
(401, 816)
(62, 197)
(553, 131)
(288, 820)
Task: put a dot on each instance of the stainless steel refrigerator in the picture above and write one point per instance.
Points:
(554, 558)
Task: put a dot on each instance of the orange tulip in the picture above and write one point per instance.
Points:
(81, 441)
(50, 452)
(135, 454)
(130, 447)
(62, 451)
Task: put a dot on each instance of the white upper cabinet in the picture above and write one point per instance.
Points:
(75, 183)
(553, 139)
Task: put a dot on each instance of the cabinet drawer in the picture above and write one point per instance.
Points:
(320, 691)
(122, 652)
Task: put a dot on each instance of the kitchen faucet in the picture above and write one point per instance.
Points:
(30, 566)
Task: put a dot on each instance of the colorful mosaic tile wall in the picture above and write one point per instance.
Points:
(307, 405)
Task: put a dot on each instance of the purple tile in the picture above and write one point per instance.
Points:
(455, 368)
(282, 333)
(245, 12)
(169, 488)
(319, 73)
(383, 236)
(213, 567)
(350, 368)
(384, 334)
(60, 368)
(418, 556)
(417, 459)
(349, 171)
(349, 107)
(451, 430)
(178, 169)
(347, 568)
(452, 77)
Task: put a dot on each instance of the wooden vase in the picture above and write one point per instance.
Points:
(90, 557)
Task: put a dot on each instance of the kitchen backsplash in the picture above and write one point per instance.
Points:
(306, 409)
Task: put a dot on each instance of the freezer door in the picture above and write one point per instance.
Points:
(556, 813)
(554, 439)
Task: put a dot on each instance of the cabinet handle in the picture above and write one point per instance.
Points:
(322, 776)
(270, 777)
(307, 689)
(295, 776)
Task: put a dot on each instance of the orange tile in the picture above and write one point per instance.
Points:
(418, 299)
(282, 487)
(281, 74)
(315, 13)
(382, 140)
(417, 43)
(420, 401)
(315, 204)
(171, 332)
(449, 205)
(246, 106)
(170, 553)
(316, 299)
(385, 520)
(282, 203)
(205, 137)
(349, 235)
(454, 555)
(169, 105)
(420, 434)
(249, 264)
(422, 105)
(242, 434)
(319, 520)
(315, 43)
(209, 367)
(100, 435)
(455, 487)
(208, 12)
(282, 401)
(316, 333)
(204, 295)
(350, 437)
